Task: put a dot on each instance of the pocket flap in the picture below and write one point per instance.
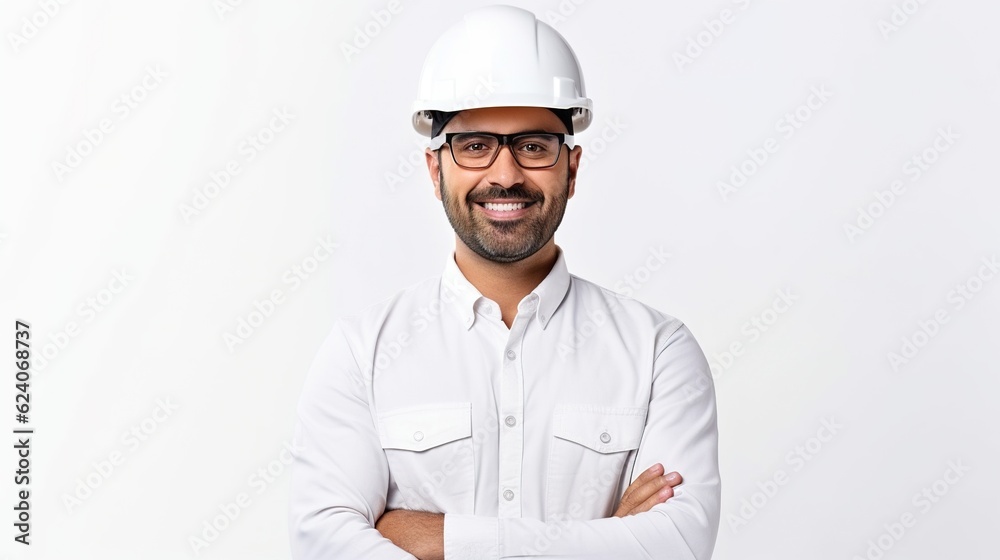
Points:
(417, 429)
(603, 429)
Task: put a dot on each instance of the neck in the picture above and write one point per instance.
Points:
(506, 283)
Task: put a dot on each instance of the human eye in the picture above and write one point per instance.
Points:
(536, 145)
(474, 145)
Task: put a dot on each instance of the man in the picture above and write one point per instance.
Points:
(506, 409)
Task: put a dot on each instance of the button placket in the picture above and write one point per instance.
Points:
(512, 433)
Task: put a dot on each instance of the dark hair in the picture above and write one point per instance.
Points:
(441, 118)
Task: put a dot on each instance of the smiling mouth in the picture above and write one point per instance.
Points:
(505, 206)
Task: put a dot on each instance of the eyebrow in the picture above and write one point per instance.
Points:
(532, 131)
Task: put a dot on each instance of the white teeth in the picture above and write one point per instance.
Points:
(504, 207)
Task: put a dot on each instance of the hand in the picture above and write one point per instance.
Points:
(651, 488)
(418, 532)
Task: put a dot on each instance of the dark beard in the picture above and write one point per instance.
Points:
(505, 241)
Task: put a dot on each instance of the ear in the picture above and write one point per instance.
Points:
(434, 168)
(574, 165)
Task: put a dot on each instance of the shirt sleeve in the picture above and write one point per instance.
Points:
(681, 433)
(339, 474)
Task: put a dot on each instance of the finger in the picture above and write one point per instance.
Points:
(647, 475)
(659, 497)
(649, 489)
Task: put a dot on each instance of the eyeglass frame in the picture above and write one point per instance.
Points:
(445, 138)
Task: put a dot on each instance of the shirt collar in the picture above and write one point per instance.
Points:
(461, 295)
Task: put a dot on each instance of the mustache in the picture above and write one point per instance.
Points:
(504, 194)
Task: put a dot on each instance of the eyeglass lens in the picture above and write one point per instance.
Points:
(530, 150)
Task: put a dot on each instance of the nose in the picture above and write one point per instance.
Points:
(505, 171)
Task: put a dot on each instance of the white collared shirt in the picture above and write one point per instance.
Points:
(525, 438)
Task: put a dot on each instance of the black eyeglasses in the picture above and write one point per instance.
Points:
(478, 150)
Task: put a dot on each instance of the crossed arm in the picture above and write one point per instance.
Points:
(422, 533)
(338, 483)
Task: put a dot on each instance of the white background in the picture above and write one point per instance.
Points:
(683, 126)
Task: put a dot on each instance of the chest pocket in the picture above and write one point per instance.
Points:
(430, 455)
(589, 447)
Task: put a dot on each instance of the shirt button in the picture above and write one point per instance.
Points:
(510, 421)
(508, 495)
(418, 436)
(511, 354)
(605, 437)
(487, 309)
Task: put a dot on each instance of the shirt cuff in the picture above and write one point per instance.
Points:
(471, 537)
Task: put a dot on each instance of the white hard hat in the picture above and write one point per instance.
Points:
(500, 56)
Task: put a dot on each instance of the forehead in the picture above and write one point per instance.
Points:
(505, 120)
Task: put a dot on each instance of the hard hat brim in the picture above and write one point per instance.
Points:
(422, 120)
